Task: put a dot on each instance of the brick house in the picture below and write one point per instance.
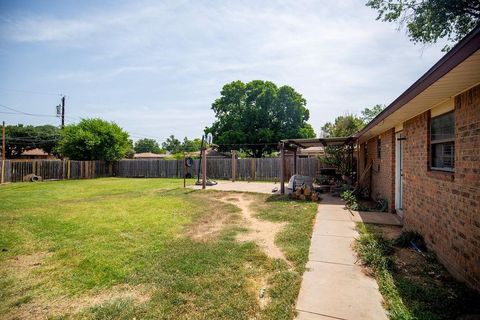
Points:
(422, 153)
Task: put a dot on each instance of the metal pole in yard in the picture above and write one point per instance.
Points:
(184, 171)
(204, 168)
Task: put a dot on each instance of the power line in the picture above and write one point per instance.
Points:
(247, 144)
(24, 113)
(31, 92)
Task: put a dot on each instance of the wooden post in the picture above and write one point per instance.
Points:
(358, 162)
(204, 168)
(253, 168)
(184, 171)
(282, 168)
(295, 161)
(234, 165)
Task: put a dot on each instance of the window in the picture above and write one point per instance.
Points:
(442, 141)
(379, 148)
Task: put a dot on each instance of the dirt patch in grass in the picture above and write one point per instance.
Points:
(23, 265)
(261, 232)
(214, 219)
(42, 309)
(207, 227)
(259, 285)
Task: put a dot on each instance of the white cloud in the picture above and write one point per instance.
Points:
(173, 57)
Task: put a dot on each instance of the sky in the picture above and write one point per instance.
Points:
(155, 67)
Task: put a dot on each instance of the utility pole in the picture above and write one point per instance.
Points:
(63, 111)
(3, 153)
(3, 140)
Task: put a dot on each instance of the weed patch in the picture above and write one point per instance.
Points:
(414, 285)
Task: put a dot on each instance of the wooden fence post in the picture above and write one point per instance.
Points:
(253, 168)
(282, 169)
(295, 169)
(3, 172)
(234, 165)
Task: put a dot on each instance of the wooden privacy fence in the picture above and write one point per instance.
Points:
(262, 169)
(17, 170)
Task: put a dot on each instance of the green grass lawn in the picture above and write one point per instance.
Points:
(121, 248)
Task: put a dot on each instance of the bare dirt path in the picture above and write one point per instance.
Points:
(260, 231)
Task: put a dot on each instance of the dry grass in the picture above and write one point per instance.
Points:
(141, 248)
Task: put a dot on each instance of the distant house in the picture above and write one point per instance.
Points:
(36, 153)
(212, 153)
(312, 152)
(150, 155)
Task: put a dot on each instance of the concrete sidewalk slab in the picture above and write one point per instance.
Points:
(242, 186)
(332, 249)
(335, 215)
(335, 228)
(333, 287)
(340, 291)
(302, 315)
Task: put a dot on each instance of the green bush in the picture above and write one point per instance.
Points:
(350, 200)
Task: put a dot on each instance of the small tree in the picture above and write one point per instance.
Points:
(369, 113)
(191, 145)
(172, 145)
(94, 139)
(346, 126)
(147, 145)
(343, 126)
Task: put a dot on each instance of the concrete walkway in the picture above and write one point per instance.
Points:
(243, 186)
(334, 287)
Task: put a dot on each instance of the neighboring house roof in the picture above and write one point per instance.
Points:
(149, 155)
(455, 72)
(312, 151)
(212, 153)
(34, 152)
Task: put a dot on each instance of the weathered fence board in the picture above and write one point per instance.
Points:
(262, 169)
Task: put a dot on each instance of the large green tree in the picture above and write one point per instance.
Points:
(94, 139)
(147, 145)
(429, 20)
(20, 138)
(253, 117)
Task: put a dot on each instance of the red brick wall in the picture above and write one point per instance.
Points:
(444, 207)
(383, 168)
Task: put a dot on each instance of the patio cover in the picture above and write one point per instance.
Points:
(294, 144)
(316, 142)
